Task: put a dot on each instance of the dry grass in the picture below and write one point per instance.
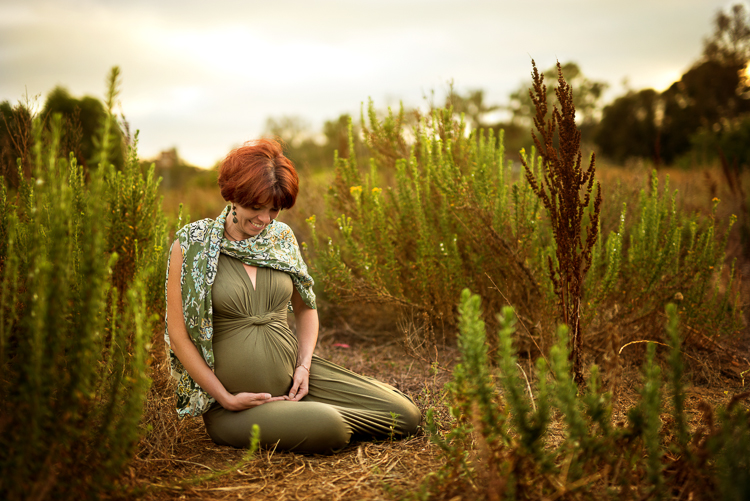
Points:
(362, 471)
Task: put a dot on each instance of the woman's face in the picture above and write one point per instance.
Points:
(252, 220)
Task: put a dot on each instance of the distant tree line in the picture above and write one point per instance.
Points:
(702, 117)
(706, 113)
(81, 118)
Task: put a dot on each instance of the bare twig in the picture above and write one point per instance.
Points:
(519, 318)
(641, 341)
(528, 386)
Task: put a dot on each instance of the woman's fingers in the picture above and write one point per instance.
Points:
(300, 394)
(300, 384)
(295, 389)
(247, 400)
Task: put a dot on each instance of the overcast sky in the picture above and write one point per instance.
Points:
(204, 76)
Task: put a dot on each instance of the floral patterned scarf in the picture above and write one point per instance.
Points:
(201, 242)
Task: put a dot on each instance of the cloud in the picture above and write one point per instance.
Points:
(205, 76)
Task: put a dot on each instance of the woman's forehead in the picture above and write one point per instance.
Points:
(255, 205)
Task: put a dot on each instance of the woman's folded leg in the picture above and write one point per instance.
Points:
(305, 427)
(370, 407)
(340, 403)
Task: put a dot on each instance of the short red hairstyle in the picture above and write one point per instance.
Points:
(258, 173)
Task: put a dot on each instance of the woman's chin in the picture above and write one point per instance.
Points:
(252, 231)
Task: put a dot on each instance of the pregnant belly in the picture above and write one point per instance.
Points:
(256, 359)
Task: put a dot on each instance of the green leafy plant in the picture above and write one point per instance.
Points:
(662, 255)
(135, 226)
(429, 218)
(73, 337)
(498, 445)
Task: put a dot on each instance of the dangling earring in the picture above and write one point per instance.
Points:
(234, 215)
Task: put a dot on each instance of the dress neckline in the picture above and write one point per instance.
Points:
(240, 268)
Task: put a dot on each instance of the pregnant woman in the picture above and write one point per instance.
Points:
(229, 284)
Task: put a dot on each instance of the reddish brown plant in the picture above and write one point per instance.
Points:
(565, 190)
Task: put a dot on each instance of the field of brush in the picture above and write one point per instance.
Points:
(569, 329)
(177, 460)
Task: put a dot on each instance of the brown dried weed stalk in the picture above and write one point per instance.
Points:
(565, 190)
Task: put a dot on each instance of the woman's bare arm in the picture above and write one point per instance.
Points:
(188, 354)
(306, 320)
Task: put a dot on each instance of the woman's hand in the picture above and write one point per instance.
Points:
(306, 320)
(300, 385)
(242, 401)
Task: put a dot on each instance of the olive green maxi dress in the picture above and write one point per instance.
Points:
(255, 351)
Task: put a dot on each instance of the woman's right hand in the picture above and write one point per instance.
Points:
(242, 401)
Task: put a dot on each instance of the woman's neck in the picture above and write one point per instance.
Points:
(229, 232)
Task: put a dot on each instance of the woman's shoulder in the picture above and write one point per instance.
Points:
(281, 231)
(280, 227)
(195, 232)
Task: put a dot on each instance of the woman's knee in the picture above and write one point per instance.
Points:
(323, 430)
(306, 427)
(409, 416)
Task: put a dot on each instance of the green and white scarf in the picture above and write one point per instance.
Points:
(201, 242)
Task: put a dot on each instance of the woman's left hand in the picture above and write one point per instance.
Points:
(300, 384)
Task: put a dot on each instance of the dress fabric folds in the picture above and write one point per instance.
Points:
(255, 351)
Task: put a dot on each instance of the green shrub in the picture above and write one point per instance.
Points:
(429, 218)
(73, 336)
(669, 256)
(135, 227)
(434, 210)
(499, 446)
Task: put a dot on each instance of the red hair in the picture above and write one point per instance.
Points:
(258, 173)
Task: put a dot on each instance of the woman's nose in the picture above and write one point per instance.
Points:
(265, 217)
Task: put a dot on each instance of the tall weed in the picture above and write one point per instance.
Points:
(565, 189)
(74, 328)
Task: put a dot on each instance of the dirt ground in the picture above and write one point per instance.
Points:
(177, 459)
